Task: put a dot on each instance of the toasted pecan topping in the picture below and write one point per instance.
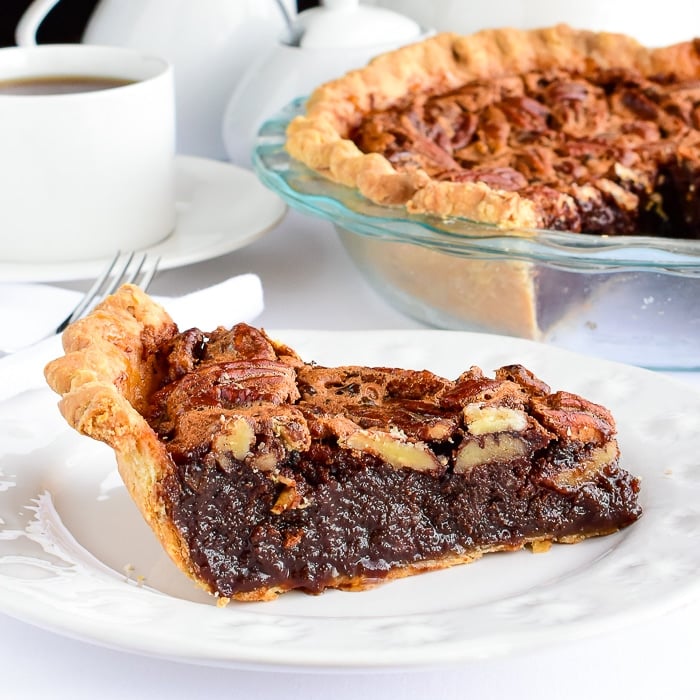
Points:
(574, 418)
(587, 148)
(248, 400)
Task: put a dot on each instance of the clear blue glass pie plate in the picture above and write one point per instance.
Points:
(634, 299)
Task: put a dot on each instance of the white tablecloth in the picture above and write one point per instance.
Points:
(310, 283)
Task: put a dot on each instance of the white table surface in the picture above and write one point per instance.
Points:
(310, 283)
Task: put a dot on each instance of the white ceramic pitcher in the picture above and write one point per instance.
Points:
(210, 43)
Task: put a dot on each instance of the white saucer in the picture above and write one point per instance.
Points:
(220, 208)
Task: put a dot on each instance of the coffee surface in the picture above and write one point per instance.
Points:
(59, 84)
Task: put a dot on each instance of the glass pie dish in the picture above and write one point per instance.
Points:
(634, 299)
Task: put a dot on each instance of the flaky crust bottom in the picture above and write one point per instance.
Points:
(498, 296)
(320, 138)
(359, 584)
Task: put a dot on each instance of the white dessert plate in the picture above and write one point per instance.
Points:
(220, 208)
(76, 557)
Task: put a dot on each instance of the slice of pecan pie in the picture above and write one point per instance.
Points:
(552, 128)
(261, 473)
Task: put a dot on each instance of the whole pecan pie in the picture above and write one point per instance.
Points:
(261, 473)
(553, 128)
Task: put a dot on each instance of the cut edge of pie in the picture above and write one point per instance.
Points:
(289, 442)
(321, 137)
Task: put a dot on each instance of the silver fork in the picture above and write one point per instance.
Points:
(128, 268)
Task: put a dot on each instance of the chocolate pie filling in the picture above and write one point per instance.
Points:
(292, 475)
(623, 149)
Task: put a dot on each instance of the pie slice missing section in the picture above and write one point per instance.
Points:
(261, 473)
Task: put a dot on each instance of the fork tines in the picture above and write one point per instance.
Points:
(133, 268)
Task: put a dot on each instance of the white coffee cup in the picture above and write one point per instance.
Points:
(85, 173)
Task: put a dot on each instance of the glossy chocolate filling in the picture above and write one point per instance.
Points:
(365, 519)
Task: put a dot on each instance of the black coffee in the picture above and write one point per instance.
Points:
(59, 84)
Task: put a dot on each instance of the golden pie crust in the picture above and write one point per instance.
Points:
(321, 138)
(105, 379)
